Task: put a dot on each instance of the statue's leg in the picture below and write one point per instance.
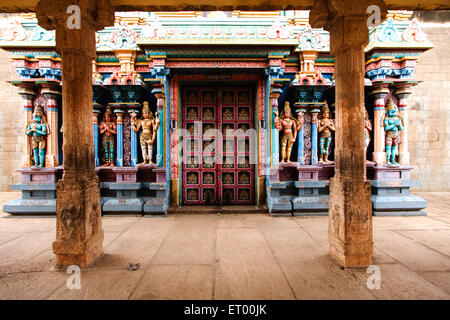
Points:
(289, 150)
(105, 151)
(283, 149)
(394, 150)
(150, 153)
(327, 149)
(144, 152)
(388, 154)
(112, 150)
(321, 149)
(36, 156)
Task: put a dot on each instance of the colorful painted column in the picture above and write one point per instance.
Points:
(403, 90)
(379, 92)
(27, 93)
(315, 110)
(96, 113)
(134, 156)
(52, 93)
(301, 137)
(275, 135)
(119, 160)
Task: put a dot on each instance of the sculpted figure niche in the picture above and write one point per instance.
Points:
(38, 128)
(108, 129)
(289, 126)
(393, 124)
(149, 125)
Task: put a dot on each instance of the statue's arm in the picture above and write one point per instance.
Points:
(113, 129)
(388, 126)
(135, 125)
(277, 122)
(294, 125)
(400, 126)
(331, 125)
(42, 131)
(28, 130)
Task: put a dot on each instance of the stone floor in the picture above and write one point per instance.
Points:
(248, 256)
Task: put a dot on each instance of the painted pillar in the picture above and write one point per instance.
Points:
(119, 145)
(134, 155)
(301, 139)
(27, 93)
(379, 92)
(402, 92)
(52, 155)
(96, 113)
(314, 135)
(275, 140)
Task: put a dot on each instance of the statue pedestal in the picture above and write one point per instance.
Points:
(391, 192)
(38, 192)
(123, 197)
(311, 193)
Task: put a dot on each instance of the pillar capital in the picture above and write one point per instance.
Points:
(346, 21)
(60, 15)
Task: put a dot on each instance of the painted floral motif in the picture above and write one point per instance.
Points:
(244, 178)
(208, 178)
(124, 38)
(414, 32)
(310, 40)
(208, 114)
(243, 114)
(227, 114)
(244, 194)
(227, 97)
(192, 194)
(192, 178)
(389, 32)
(228, 178)
(192, 114)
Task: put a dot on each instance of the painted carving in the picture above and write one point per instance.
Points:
(149, 125)
(325, 128)
(71, 222)
(414, 32)
(367, 130)
(389, 32)
(288, 125)
(108, 130)
(124, 38)
(38, 129)
(393, 124)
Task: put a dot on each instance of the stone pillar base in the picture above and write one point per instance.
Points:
(350, 222)
(82, 254)
(79, 233)
(379, 158)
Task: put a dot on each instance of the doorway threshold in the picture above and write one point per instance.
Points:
(218, 209)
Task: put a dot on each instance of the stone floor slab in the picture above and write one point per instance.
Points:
(246, 268)
(176, 282)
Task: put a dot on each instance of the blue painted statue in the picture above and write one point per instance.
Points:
(393, 124)
(38, 128)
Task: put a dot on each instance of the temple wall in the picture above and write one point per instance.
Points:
(12, 126)
(429, 115)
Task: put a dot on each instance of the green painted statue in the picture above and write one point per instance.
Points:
(393, 124)
(108, 129)
(38, 128)
(326, 126)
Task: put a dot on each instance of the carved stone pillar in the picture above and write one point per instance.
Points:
(79, 234)
(350, 207)
(380, 91)
(402, 91)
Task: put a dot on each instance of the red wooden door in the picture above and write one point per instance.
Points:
(217, 146)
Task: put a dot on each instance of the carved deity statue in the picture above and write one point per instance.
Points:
(367, 130)
(149, 125)
(38, 128)
(108, 129)
(325, 128)
(289, 126)
(393, 124)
